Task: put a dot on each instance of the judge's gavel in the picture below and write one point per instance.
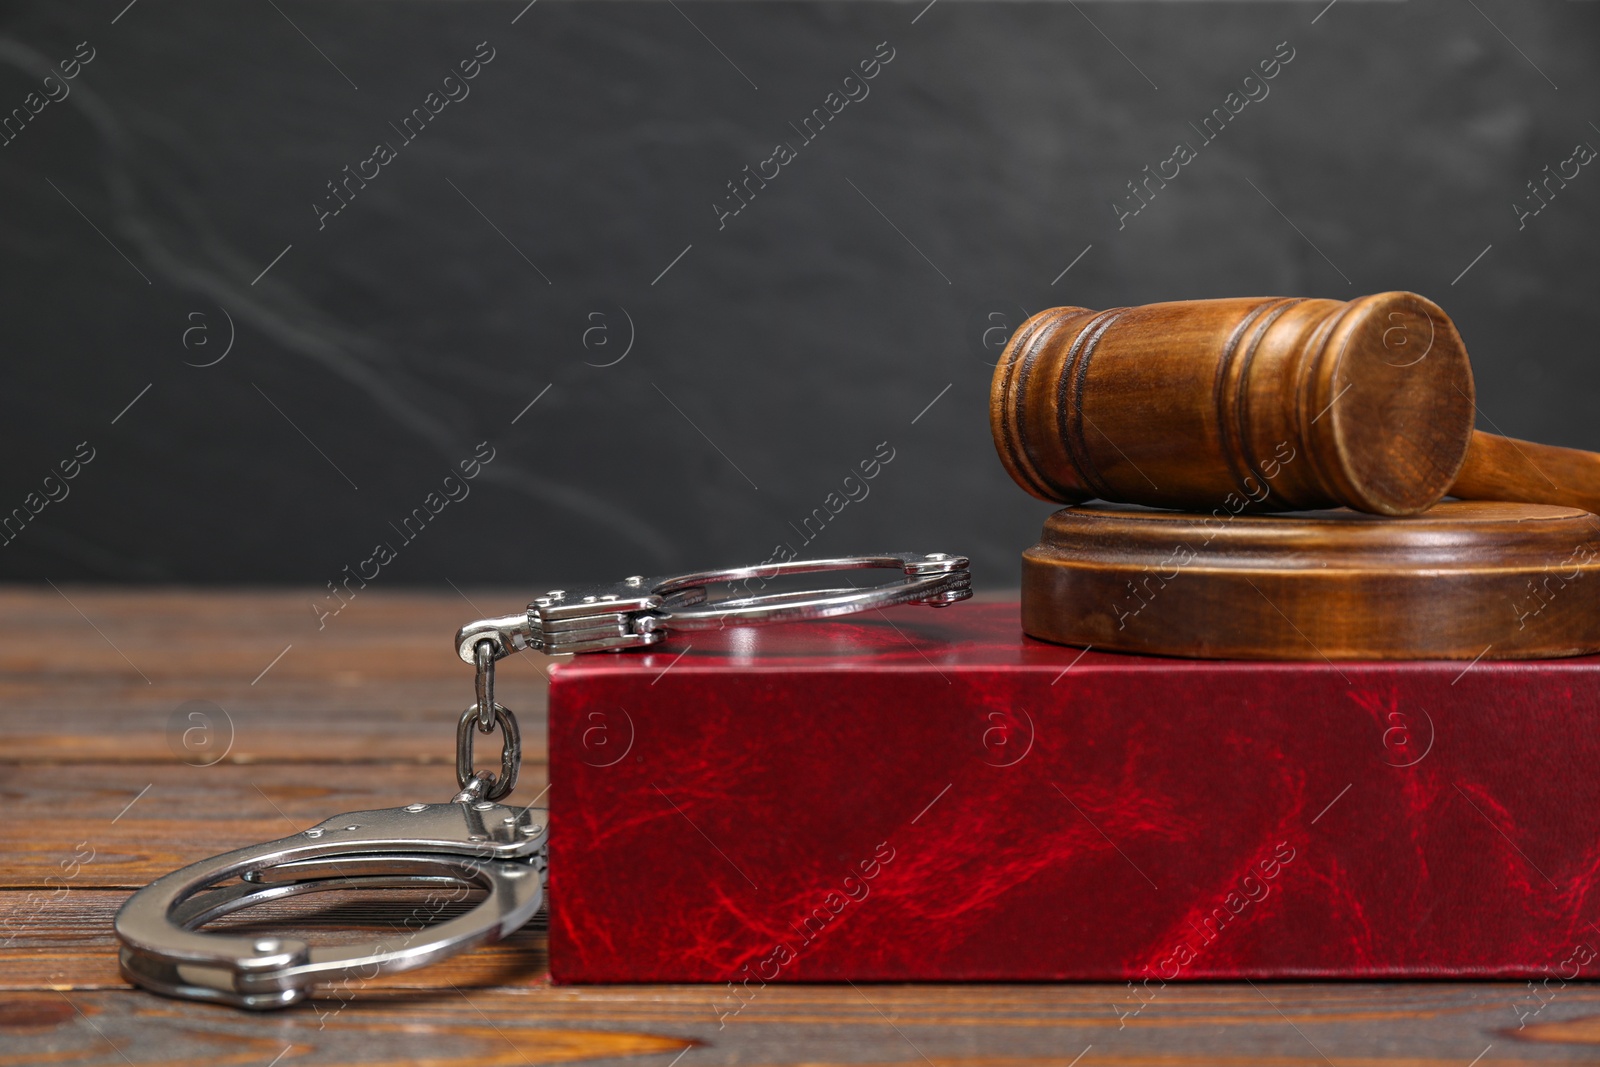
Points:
(1262, 404)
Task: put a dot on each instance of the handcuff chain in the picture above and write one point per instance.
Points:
(482, 717)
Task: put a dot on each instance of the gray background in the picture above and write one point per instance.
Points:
(792, 342)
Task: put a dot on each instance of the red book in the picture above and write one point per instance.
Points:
(931, 795)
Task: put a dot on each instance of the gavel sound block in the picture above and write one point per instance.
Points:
(1231, 408)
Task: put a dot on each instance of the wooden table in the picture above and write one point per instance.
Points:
(109, 781)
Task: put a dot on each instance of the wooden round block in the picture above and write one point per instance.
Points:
(1465, 579)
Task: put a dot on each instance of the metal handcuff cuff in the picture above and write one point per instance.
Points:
(472, 839)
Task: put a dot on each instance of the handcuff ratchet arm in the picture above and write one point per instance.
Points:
(641, 611)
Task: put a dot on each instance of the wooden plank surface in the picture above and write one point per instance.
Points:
(125, 824)
(102, 676)
(103, 792)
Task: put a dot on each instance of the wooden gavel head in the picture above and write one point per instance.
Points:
(1264, 404)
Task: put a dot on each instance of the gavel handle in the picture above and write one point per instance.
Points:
(1504, 468)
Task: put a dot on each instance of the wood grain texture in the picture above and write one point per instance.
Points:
(102, 675)
(945, 1026)
(63, 1002)
(1503, 468)
(129, 823)
(1467, 579)
(1277, 404)
(1365, 404)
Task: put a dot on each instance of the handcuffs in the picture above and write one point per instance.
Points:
(472, 839)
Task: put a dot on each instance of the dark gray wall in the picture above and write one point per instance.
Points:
(782, 348)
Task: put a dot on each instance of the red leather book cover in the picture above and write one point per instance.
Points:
(931, 795)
